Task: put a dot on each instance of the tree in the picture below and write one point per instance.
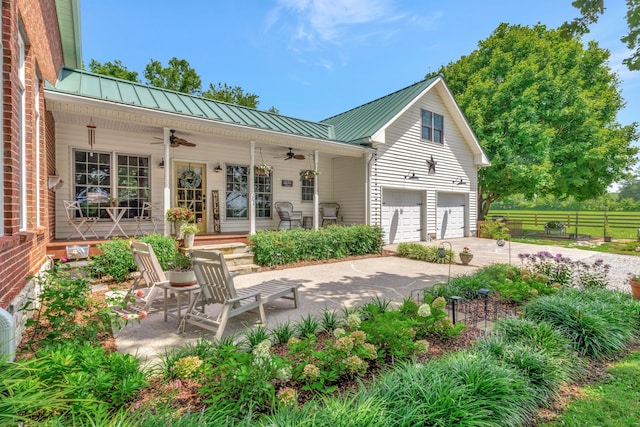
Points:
(177, 76)
(590, 11)
(630, 188)
(232, 95)
(544, 109)
(113, 69)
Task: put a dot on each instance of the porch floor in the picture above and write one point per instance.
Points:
(58, 247)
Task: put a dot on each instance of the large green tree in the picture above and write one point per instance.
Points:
(590, 11)
(544, 109)
(113, 69)
(177, 75)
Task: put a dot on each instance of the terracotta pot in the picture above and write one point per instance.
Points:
(182, 278)
(466, 258)
(635, 289)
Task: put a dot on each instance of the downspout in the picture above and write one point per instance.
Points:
(252, 193)
(316, 203)
(167, 178)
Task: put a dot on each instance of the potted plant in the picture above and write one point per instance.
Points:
(607, 233)
(466, 256)
(634, 281)
(189, 230)
(308, 174)
(178, 216)
(181, 272)
(262, 169)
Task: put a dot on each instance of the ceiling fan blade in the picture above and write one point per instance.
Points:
(186, 143)
(299, 156)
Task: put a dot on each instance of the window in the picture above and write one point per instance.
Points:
(308, 185)
(432, 126)
(22, 84)
(237, 191)
(95, 185)
(262, 188)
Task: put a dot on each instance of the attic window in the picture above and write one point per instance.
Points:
(432, 126)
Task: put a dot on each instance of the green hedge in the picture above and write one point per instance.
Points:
(425, 253)
(289, 246)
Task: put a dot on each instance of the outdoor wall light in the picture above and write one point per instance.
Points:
(218, 168)
(411, 175)
(459, 181)
(161, 164)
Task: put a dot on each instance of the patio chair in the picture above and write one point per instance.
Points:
(146, 214)
(216, 287)
(155, 280)
(329, 212)
(78, 221)
(287, 214)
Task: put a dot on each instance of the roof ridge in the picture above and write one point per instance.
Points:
(381, 98)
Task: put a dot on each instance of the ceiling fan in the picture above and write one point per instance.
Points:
(291, 155)
(175, 141)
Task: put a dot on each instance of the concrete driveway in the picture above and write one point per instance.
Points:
(338, 284)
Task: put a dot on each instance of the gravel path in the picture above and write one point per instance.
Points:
(621, 267)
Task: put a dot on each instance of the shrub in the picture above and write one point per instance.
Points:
(562, 271)
(597, 326)
(289, 246)
(496, 229)
(426, 253)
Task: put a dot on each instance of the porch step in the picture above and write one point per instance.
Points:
(238, 256)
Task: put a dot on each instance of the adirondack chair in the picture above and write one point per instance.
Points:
(155, 280)
(216, 287)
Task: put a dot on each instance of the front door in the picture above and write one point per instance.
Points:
(190, 185)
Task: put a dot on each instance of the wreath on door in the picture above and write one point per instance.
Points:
(190, 179)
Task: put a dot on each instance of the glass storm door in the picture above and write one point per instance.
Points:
(190, 185)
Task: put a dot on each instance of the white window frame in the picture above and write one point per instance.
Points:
(431, 127)
(38, 151)
(22, 84)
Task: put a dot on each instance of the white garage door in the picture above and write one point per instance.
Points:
(450, 215)
(401, 215)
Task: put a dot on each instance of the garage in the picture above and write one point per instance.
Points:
(451, 215)
(402, 216)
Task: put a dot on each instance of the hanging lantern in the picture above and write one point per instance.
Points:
(91, 134)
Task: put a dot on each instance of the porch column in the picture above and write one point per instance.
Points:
(316, 214)
(167, 182)
(252, 194)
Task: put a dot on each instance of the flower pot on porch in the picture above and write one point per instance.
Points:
(466, 258)
(635, 288)
(176, 229)
(189, 239)
(179, 278)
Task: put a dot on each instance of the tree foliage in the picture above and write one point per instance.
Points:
(177, 75)
(113, 69)
(630, 188)
(232, 95)
(590, 11)
(544, 109)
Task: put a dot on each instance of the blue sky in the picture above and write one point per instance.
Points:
(315, 58)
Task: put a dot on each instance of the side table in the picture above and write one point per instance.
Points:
(307, 222)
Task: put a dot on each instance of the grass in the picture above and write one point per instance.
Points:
(613, 401)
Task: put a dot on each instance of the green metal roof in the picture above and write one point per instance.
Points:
(90, 85)
(362, 122)
(69, 24)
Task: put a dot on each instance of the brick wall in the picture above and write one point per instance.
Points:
(22, 253)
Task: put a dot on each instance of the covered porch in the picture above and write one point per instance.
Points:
(177, 156)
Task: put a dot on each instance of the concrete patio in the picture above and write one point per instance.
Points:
(338, 284)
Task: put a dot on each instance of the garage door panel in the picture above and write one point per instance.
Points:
(402, 215)
(451, 215)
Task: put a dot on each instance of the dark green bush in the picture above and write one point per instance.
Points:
(117, 262)
(289, 246)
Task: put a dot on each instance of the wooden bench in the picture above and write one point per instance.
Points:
(558, 226)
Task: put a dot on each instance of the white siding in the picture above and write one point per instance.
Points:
(405, 153)
(210, 151)
(349, 177)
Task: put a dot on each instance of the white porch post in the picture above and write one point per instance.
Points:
(316, 219)
(252, 194)
(167, 183)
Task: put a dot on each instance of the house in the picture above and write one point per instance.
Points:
(39, 37)
(407, 161)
